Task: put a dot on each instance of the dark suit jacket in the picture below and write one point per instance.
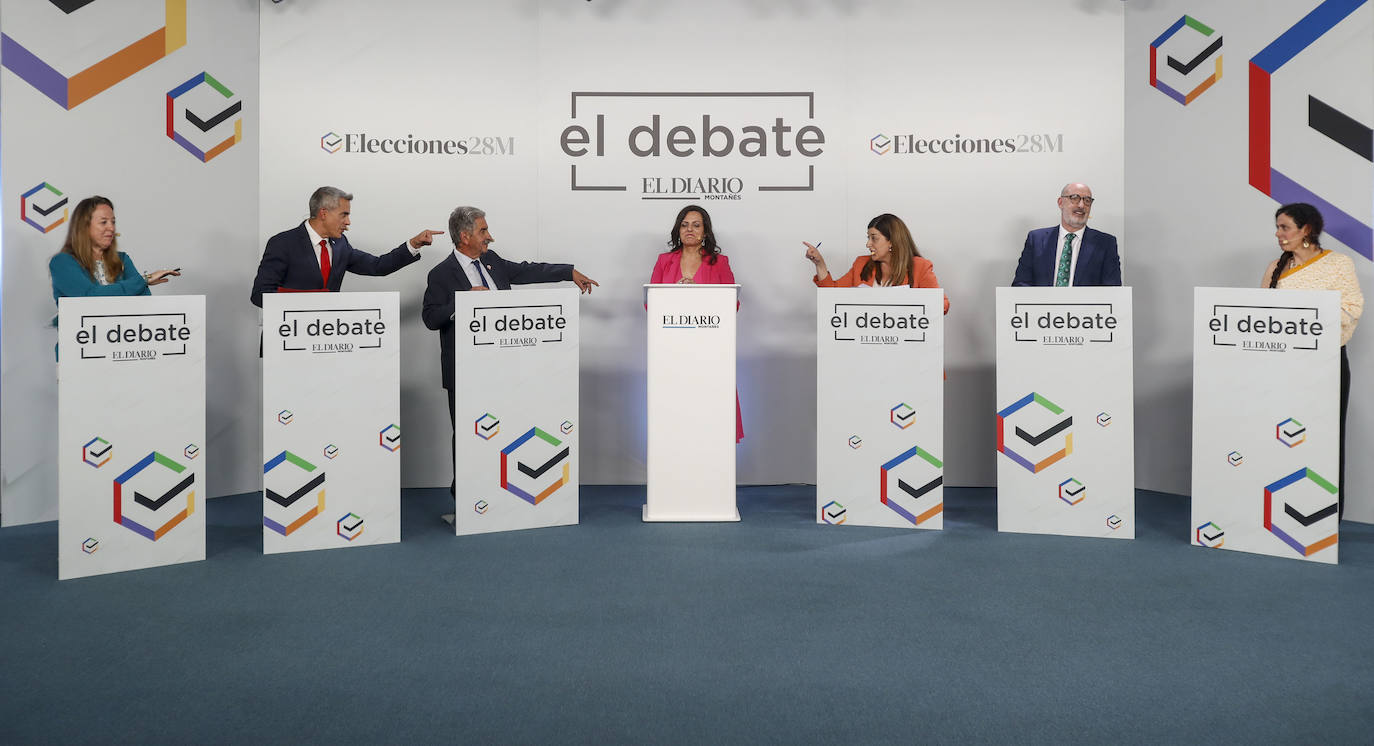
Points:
(448, 276)
(290, 261)
(1098, 262)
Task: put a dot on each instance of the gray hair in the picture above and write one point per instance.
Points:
(327, 197)
(462, 219)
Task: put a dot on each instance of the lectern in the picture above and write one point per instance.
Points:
(691, 386)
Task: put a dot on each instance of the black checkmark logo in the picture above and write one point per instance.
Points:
(537, 473)
(102, 451)
(286, 501)
(207, 125)
(1295, 433)
(152, 504)
(494, 423)
(1193, 63)
(832, 513)
(356, 524)
(50, 209)
(1215, 536)
(1071, 492)
(907, 416)
(917, 492)
(1036, 440)
(70, 6)
(332, 143)
(1342, 128)
(394, 438)
(1308, 520)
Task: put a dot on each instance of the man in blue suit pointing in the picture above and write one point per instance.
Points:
(1070, 253)
(474, 267)
(315, 256)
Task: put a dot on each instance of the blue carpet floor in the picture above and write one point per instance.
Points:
(771, 630)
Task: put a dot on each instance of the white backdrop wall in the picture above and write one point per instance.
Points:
(1193, 207)
(879, 70)
(174, 209)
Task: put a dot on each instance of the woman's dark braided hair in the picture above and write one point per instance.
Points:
(1302, 215)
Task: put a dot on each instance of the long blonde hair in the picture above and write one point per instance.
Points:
(903, 249)
(79, 243)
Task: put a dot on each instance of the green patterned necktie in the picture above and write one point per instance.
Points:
(1061, 278)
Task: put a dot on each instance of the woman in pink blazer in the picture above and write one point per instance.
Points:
(695, 258)
(893, 260)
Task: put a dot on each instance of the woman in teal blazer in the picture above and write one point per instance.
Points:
(90, 262)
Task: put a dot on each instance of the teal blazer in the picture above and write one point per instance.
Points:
(70, 279)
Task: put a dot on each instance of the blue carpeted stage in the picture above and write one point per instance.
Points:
(774, 629)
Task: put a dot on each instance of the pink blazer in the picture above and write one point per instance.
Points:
(668, 270)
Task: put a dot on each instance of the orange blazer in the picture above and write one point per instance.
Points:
(921, 268)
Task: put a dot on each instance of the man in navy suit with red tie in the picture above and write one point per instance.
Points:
(315, 255)
(1070, 253)
(472, 266)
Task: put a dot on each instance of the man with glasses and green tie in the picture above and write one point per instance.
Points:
(1070, 253)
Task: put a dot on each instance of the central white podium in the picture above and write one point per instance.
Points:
(691, 387)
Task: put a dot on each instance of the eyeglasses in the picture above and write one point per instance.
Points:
(1076, 198)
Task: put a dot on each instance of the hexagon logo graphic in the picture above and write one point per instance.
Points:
(908, 485)
(330, 142)
(38, 207)
(285, 416)
(536, 443)
(331, 451)
(191, 450)
(205, 134)
(1308, 522)
(1051, 416)
(1113, 522)
(1210, 534)
(164, 480)
(855, 442)
(566, 427)
(1290, 432)
(480, 507)
(390, 438)
(97, 452)
(833, 513)
(349, 527)
(1321, 117)
(1235, 458)
(90, 545)
(1072, 491)
(1210, 47)
(880, 144)
(486, 427)
(1104, 419)
(69, 88)
(286, 479)
(902, 416)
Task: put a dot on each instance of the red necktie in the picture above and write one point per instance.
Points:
(324, 262)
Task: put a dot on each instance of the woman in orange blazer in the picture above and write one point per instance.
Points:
(893, 260)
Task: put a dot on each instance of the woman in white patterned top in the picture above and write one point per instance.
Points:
(1305, 265)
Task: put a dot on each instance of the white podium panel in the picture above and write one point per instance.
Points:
(516, 368)
(880, 407)
(691, 387)
(131, 433)
(331, 423)
(1065, 412)
(1266, 421)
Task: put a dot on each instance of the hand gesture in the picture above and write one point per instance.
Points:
(160, 276)
(424, 238)
(583, 282)
(814, 255)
